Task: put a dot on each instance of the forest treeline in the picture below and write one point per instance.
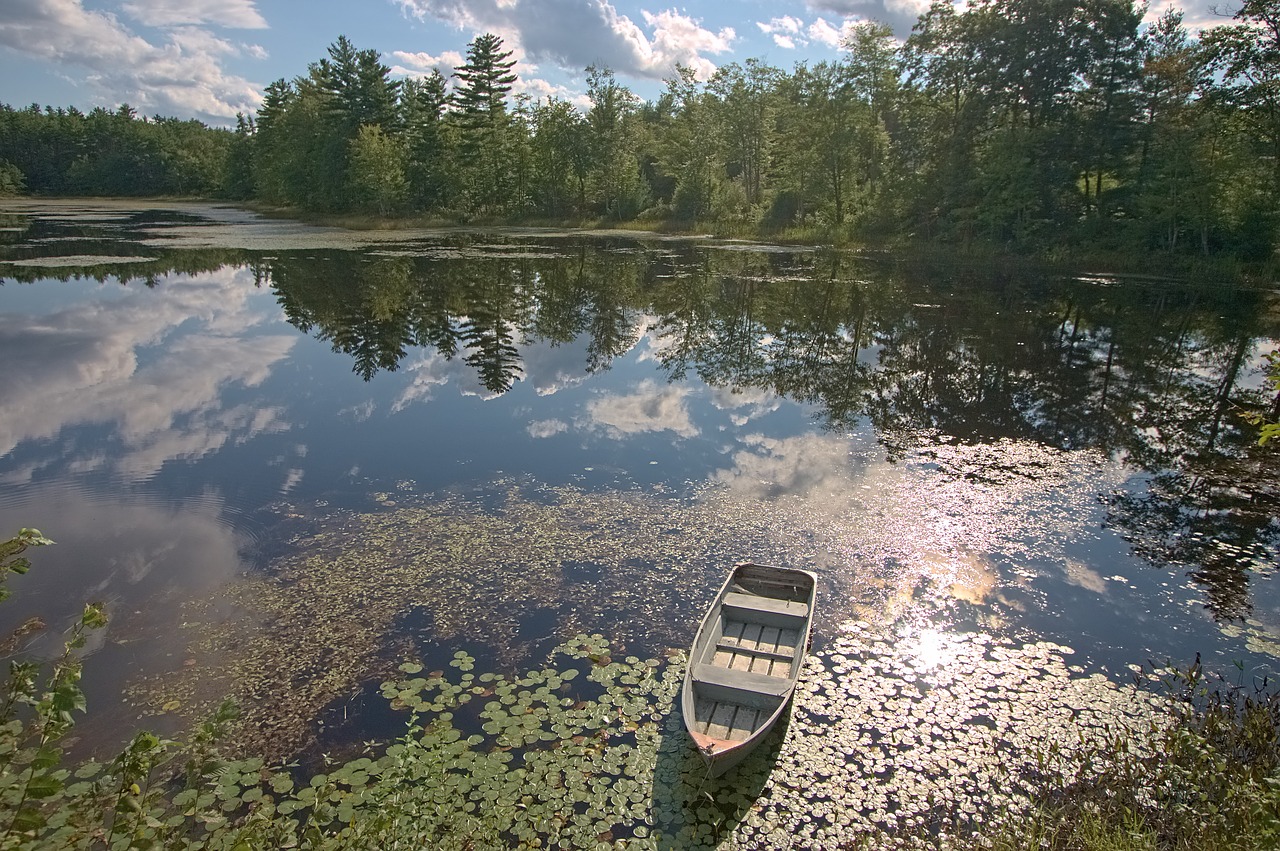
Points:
(1027, 124)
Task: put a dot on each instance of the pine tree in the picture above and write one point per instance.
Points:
(481, 104)
(430, 167)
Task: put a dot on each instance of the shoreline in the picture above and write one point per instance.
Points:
(1182, 268)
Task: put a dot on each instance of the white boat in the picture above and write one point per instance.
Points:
(746, 660)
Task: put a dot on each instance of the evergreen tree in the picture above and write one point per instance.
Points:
(239, 164)
(480, 101)
(429, 145)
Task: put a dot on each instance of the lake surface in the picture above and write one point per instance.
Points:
(289, 457)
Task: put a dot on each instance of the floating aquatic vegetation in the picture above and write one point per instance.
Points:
(475, 567)
(515, 566)
(57, 262)
(590, 752)
(762, 248)
(1258, 637)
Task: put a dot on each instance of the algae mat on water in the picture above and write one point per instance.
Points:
(478, 568)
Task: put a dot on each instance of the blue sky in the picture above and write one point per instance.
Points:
(208, 59)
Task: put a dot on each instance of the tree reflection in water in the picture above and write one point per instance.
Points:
(1153, 372)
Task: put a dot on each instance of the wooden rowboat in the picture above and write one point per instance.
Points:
(745, 661)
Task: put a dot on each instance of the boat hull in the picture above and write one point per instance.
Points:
(745, 661)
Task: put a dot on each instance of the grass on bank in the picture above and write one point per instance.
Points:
(559, 758)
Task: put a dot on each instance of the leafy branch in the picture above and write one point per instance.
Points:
(1268, 429)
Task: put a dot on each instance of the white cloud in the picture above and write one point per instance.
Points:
(422, 64)
(755, 400)
(914, 8)
(84, 364)
(552, 367)
(815, 469)
(650, 408)
(785, 24)
(901, 15)
(429, 371)
(547, 428)
(1083, 576)
(240, 14)
(291, 480)
(785, 31)
(576, 33)
(359, 413)
(539, 90)
(826, 33)
(184, 76)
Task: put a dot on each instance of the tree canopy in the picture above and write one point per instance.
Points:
(1024, 124)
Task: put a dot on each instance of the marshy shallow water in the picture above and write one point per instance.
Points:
(290, 458)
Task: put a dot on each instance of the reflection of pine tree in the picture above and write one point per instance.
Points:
(497, 309)
(432, 321)
(359, 306)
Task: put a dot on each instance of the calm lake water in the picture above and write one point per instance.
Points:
(288, 457)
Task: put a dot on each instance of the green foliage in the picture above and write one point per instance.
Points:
(488, 139)
(109, 153)
(1214, 784)
(11, 179)
(377, 174)
(11, 558)
(1268, 427)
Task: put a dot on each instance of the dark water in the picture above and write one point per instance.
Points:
(288, 456)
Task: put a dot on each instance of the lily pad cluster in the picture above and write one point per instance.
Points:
(590, 752)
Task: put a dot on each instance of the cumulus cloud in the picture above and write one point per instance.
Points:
(784, 31)
(650, 408)
(901, 15)
(421, 64)
(813, 468)
(86, 364)
(184, 75)
(576, 33)
(240, 14)
(547, 428)
(745, 403)
(427, 372)
(1083, 576)
(824, 32)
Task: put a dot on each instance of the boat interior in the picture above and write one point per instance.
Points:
(745, 665)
